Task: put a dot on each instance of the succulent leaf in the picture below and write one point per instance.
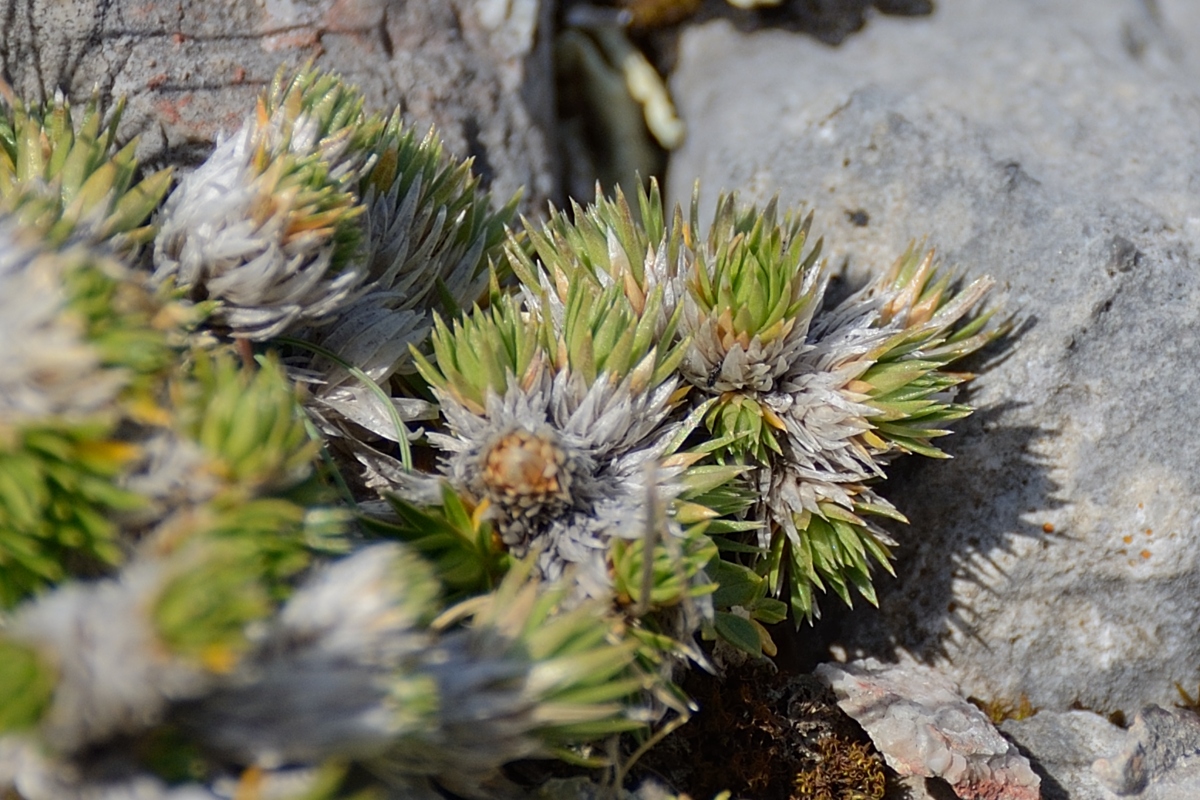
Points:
(250, 420)
(75, 173)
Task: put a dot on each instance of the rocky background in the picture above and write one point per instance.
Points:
(1054, 144)
(477, 69)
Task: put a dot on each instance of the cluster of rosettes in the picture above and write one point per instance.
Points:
(230, 566)
(653, 377)
(178, 613)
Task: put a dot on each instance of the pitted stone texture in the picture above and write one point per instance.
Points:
(1063, 745)
(477, 69)
(921, 725)
(1160, 758)
(1054, 144)
(1085, 757)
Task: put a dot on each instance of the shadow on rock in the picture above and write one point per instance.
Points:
(964, 513)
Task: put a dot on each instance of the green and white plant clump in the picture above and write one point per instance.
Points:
(322, 476)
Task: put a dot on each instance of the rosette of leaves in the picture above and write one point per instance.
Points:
(104, 669)
(752, 293)
(75, 172)
(248, 419)
(821, 400)
(558, 410)
(160, 668)
(525, 678)
(646, 256)
(353, 669)
(268, 226)
(94, 343)
(609, 245)
(429, 233)
(104, 659)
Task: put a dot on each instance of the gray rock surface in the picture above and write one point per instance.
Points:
(1056, 145)
(1160, 758)
(1063, 746)
(477, 69)
(917, 720)
(1084, 757)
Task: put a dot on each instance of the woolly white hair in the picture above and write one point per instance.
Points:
(224, 231)
(48, 369)
(564, 465)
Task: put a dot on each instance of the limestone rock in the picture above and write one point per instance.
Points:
(1084, 757)
(1160, 759)
(476, 69)
(921, 725)
(1054, 144)
(1063, 746)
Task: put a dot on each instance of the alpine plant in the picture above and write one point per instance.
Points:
(268, 226)
(820, 400)
(66, 175)
(229, 568)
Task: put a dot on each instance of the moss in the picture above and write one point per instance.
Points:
(768, 736)
(847, 770)
(1000, 710)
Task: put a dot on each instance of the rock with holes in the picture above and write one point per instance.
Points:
(1082, 756)
(1054, 144)
(1063, 745)
(477, 69)
(918, 721)
(1159, 759)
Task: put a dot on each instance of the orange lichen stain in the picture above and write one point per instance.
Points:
(1127, 539)
(352, 16)
(299, 39)
(1144, 554)
(1149, 531)
(1047, 527)
(170, 109)
(1141, 505)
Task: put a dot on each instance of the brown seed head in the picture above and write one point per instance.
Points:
(526, 470)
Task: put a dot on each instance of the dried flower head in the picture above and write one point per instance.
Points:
(558, 455)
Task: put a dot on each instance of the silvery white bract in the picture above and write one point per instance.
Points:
(231, 233)
(561, 461)
(53, 371)
(268, 224)
(114, 675)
